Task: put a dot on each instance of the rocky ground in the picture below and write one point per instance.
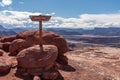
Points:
(94, 63)
(90, 63)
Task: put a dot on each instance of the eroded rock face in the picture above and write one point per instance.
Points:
(32, 37)
(33, 58)
(5, 65)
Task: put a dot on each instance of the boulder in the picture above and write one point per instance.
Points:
(8, 39)
(36, 78)
(26, 34)
(50, 75)
(18, 45)
(61, 59)
(5, 46)
(1, 38)
(2, 52)
(1, 44)
(34, 59)
(29, 36)
(61, 44)
(5, 65)
(50, 38)
(13, 61)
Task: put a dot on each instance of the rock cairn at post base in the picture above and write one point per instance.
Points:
(25, 48)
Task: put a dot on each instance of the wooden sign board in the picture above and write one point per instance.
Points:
(40, 18)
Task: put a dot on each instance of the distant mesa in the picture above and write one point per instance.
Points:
(2, 28)
(6, 32)
(111, 31)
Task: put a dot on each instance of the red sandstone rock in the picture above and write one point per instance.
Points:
(50, 75)
(2, 52)
(61, 44)
(1, 38)
(32, 36)
(61, 59)
(5, 65)
(26, 34)
(13, 61)
(18, 45)
(8, 39)
(5, 46)
(30, 57)
(36, 78)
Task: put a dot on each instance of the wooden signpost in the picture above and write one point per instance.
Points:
(40, 18)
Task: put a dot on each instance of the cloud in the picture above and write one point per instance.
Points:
(21, 19)
(21, 2)
(6, 2)
(101, 20)
(17, 18)
(88, 21)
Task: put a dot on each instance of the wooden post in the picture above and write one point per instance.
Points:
(40, 18)
(40, 35)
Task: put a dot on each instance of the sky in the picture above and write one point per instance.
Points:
(65, 13)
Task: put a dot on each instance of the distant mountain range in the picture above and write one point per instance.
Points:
(6, 32)
(112, 31)
(79, 31)
(9, 32)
